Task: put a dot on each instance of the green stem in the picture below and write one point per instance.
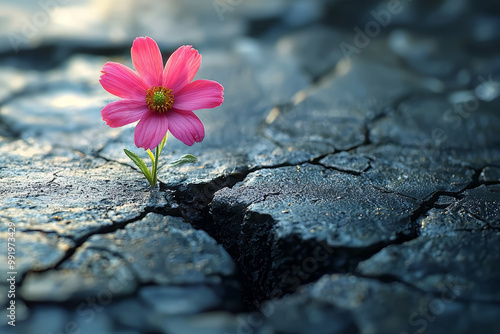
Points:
(154, 168)
(155, 164)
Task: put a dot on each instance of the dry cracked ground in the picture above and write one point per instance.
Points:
(332, 195)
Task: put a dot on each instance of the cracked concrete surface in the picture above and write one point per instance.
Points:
(330, 196)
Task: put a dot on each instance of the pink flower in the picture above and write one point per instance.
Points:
(161, 99)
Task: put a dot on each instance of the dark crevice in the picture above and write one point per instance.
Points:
(345, 260)
(269, 268)
(273, 268)
(194, 203)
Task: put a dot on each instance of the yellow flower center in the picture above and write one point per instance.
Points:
(159, 99)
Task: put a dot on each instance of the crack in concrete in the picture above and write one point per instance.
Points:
(166, 211)
(205, 220)
(194, 207)
(432, 199)
(483, 221)
(195, 203)
(387, 191)
(97, 155)
(388, 279)
(346, 171)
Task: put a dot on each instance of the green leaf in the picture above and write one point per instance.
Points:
(188, 158)
(141, 164)
(151, 155)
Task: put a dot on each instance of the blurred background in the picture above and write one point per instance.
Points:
(54, 49)
(269, 55)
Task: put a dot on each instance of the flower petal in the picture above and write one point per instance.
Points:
(181, 68)
(199, 94)
(150, 131)
(123, 112)
(185, 126)
(147, 60)
(121, 81)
